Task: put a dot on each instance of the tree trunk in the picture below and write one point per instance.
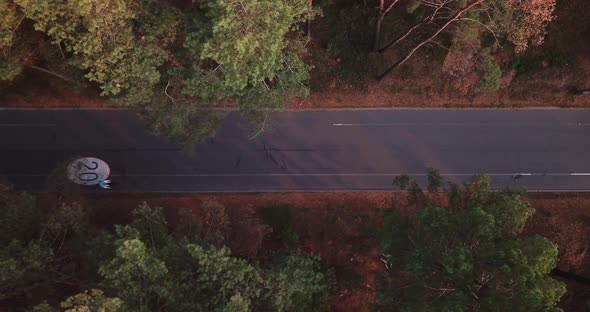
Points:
(310, 7)
(455, 17)
(402, 37)
(382, 13)
(52, 73)
(378, 32)
(571, 276)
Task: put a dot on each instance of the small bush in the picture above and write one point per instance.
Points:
(280, 218)
(9, 70)
(556, 57)
(393, 89)
(531, 62)
(523, 64)
(435, 181)
(519, 94)
(407, 72)
(491, 75)
(416, 90)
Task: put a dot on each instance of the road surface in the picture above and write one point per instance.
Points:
(308, 151)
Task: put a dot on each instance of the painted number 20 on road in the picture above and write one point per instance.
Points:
(88, 171)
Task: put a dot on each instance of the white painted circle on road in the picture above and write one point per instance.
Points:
(88, 171)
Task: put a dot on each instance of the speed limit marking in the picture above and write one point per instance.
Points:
(88, 171)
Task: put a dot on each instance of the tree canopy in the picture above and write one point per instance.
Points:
(140, 50)
(149, 262)
(473, 26)
(102, 36)
(154, 56)
(143, 265)
(469, 254)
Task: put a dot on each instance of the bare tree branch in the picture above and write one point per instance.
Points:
(261, 128)
(484, 25)
(310, 8)
(47, 71)
(168, 95)
(18, 24)
(439, 44)
(434, 35)
(382, 13)
(427, 20)
(63, 56)
(443, 289)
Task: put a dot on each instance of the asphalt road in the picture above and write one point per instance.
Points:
(308, 151)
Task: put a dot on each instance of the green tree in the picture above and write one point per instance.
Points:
(70, 219)
(151, 269)
(24, 260)
(39, 247)
(136, 275)
(435, 181)
(402, 182)
(240, 48)
(474, 24)
(491, 75)
(143, 265)
(470, 256)
(22, 267)
(10, 20)
(221, 277)
(300, 283)
(19, 216)
(103, 37)
(184, 123)
(91, 301)
(247, 51)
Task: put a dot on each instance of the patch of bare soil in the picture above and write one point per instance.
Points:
(430, 87)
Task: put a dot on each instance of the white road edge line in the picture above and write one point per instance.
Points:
(196, 175)
(425, 124)
(399, 124)
(188, 175)
(389, 191)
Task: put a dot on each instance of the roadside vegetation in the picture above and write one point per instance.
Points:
(57, 260)
(455, 247)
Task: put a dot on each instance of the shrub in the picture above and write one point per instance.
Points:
(491, 75)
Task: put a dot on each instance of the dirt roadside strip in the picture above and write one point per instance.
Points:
(288, 109)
